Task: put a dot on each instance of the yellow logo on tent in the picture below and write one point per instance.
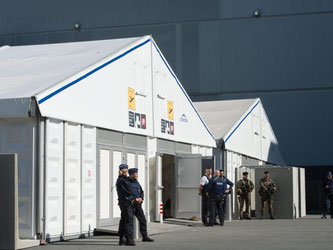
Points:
(170, 110)
(131, 98)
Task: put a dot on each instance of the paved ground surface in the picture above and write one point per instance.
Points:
(307, 233)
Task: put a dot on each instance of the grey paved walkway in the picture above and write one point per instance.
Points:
(307, 233)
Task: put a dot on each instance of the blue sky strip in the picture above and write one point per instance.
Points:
(241, 121)
(91, 72)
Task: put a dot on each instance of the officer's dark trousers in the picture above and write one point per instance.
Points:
(205, 208)
(330, 197)
(216, 204)
(138, 212)
(126, 220)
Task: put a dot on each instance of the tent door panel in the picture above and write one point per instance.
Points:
(104, 192)
(188, 172)
(116, 161)
(158, 185)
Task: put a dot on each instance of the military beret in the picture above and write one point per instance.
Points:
(329, 173)
(245, 173)
(123, 166)
(266, 172)
(132, 171)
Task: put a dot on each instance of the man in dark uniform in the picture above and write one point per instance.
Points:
(244, 188)
(227, 182)
(138, 195)
(217, 190)
(204, 182)
(328, 195)
(267, 187)
(125, 199)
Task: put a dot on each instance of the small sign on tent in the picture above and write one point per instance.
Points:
(131, 98)
(170, 110)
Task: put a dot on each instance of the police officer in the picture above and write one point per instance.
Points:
(125, 199)
(217, 190)
(204, 183)
(328, 189)
(266, 190)
(227, 182)
(244, 188)
(138, 195)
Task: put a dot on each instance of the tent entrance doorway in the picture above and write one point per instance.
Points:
(177, 185)
(168, 191)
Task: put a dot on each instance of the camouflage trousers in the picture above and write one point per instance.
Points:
(269, 201)
(247, 200)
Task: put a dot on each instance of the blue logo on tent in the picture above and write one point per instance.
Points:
(183, 118)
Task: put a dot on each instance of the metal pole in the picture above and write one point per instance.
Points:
(161, 213)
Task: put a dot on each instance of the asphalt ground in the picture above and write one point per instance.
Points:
(306, 233)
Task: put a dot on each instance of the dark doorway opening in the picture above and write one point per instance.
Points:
(168, 193)
(315, 176)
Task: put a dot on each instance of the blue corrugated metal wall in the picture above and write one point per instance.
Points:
(218, 50)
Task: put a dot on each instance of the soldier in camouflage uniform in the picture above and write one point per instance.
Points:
(266, 191)
(244, 188)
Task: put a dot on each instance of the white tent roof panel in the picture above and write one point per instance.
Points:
(92, 83)
(28, 70)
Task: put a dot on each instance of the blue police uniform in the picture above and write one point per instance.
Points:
(137, 192)
(125, 199)
(231, 185)
(217, 189)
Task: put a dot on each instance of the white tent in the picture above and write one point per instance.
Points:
(242, 126)
(74, 111)
(244, 137)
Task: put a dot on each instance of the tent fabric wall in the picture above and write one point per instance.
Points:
(242, 126)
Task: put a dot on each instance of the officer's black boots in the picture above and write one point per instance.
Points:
(222, 223)
(146, 238)
(130, 242)
(122, 241)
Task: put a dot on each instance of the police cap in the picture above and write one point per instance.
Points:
(245, 173)
(132, 171)
(123, 166)
(266, 172)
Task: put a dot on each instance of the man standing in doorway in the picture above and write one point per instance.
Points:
(138, 195)
(125, 199)
(266, 191)
(226, 182)
(244, 188)
(203, 189)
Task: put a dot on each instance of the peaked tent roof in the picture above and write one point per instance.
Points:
(29, 70)
(229, 121)
(62, 77)
(221, 116)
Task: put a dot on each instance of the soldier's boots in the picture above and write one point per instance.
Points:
(146, 238)
(122, 240)
(130, 242)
